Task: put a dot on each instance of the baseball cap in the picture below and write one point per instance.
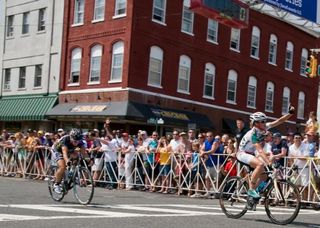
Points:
(125, 134)
(60, 130)
(277, 135)
(47, 134)
(40, 132)
(143, 133)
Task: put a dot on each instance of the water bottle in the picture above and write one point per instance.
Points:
(70, 173)
(261, 186)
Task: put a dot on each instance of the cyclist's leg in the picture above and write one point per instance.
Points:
(258, 166)
(61, 169)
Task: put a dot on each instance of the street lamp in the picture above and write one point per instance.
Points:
(158, 121)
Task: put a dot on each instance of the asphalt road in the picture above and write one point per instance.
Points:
(26, 203)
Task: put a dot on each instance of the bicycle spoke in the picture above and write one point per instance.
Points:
(83, 186)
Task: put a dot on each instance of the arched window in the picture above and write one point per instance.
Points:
(269, 97)
(301, 104)
(95, 63)
(184, 74)
(209, 78)
(117, 62)
(273, 44)
(303, 64)
(252, 90)
(285, 100)
(155, 66)
(255, 42)
(289, 56)
(232, 87)
(75, 67)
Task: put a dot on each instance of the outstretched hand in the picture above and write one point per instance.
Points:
(291, 109)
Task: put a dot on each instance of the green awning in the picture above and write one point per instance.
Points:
(25, 108)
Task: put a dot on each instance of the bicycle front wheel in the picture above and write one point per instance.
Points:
(282, 202)
(233, 197)
(51, 180)
(83, 187)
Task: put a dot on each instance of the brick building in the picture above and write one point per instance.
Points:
(138, 61)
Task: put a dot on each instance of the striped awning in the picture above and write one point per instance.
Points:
(25, 108)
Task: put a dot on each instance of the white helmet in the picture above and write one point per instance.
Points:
(258, 117)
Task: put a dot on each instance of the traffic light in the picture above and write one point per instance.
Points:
(312, 66)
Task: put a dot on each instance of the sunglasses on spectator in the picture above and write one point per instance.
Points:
(297, 137)
(263, 121)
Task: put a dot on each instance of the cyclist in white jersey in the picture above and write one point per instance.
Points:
(251, 145)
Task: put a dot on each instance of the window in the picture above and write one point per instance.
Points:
(235, 39)
(273, 49)
(255, 42)
(75, 65)
(159, 10)
(212, 31)
(78, 12)
(99, 6)
(155, 66)
(38, 76)
(10, 28)
(301, 102)
(95, 63)
(7, 79)
(117, 61)
(232, 86)
(269, 97)
(120, 7)
(22, 78)
(25, 22)
(289, 56)
(285, 100)
(252, 90)
(42, 20)
(303, 64)
(184, 74)
(187, 18)
(209, 78)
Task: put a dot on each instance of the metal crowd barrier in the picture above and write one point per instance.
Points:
(180, 173)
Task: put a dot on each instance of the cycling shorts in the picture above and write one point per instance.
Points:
(245, 157)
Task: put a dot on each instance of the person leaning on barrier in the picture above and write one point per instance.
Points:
(279, 149)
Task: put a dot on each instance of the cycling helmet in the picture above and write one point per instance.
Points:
(258, 117)
(75, 134)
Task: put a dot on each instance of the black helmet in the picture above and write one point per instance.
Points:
(75, 134)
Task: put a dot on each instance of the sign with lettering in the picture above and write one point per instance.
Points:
(88, 108)
(308, 9)
(170, 114)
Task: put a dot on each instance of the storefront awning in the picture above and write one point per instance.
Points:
(26, 108)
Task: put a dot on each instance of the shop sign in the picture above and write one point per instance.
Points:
(88, 108)
(170, 114)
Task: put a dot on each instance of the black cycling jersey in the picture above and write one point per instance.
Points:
(66, 141)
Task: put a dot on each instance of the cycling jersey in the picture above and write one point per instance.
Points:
(65, 141)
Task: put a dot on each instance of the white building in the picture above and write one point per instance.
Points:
(30, 43)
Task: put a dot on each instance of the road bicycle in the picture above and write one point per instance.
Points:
(280, 197)
(76, 177)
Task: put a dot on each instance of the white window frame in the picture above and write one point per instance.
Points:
(187, 18)
(79, 8)
(42, 19)
(212, 33)
(301, 105)
(255, 42)
(99, 10)
(117, 62)
(209, 76)
(22, 78)
(232, 81)
(120, 9)
(155, 67)
(95, 64)
(184, 74)
(10, 26)
(273, 48)
(289, 56)
(76, 57)
(7, 79)
(25, 23)
(235, 39)
(303, 62)
(252, 92)
(159, 11)
(38, 72)
(285, 100)
(269, 97)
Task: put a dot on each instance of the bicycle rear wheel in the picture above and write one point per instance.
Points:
(51, 180)
(282, 202)
(83, 187)
(233, 197)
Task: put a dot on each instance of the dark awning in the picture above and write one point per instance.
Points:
(26, 108)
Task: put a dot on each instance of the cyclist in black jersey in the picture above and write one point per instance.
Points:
(66, 148)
